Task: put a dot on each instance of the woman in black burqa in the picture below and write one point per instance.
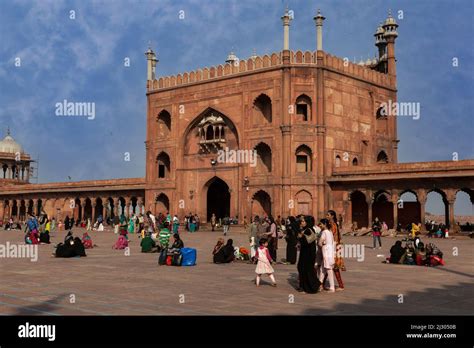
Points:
(308, 282)
(292, 229)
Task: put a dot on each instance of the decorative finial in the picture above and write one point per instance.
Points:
(8, 130)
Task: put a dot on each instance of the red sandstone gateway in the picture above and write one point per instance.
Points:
(317, 123)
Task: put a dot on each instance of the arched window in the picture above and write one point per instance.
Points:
(262, 110)
(303, 108)
(355, 162)
(382, 157)
(264, 158)
(381, 113)
(164, 123)
(164, 165)
(303, 159)
(338, 161)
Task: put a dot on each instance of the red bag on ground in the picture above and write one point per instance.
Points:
(242, 250)
(169, 260)
(436, 260)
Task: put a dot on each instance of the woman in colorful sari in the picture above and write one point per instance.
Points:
(131, 225)
(175, 224)
(121, 243)
(87, 241)
(338, 260)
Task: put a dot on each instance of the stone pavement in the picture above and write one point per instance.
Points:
(107, 282)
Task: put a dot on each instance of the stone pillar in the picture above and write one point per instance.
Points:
(127, 206)
(93, 212)
(422, 197)
(395, 198)
(346, 215)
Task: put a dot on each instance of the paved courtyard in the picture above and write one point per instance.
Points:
(107, 282)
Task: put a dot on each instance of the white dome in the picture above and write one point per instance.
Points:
(8, 144)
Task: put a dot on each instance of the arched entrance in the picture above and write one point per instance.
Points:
(162, 204)
(218, 198)
(261, 204)
(360, 209)
(383, 208)
(409, 209)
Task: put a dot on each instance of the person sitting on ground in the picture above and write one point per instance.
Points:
(68, 237)
(397, 252)
(147, 244)
(164, 236)
(410, 256)
(218, 252)
(121, 243)
(228, 251)
(44, 237)
(178, 243)
(87, 241)
(72, 248)
(420, 253)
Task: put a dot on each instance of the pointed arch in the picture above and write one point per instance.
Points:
(303, 108)
(304, 159)
(163, 165)
(261, 204)
(382, 157)
(262, 110)
(264, 158)
(164, 123)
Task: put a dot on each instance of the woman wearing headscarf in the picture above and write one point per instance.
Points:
(228, 251)
(308, 282)
(67, 223)
(397, 252)
(338, 260)
(178, 243)
(218, 252)
(291, 238)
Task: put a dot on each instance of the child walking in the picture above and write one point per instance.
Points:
(264, 261)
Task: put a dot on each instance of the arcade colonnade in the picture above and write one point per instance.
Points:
(79, 206)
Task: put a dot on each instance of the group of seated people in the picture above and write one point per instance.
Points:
(415, 253)
(152, 242)
(226, 252)
(10, 225)
(223, 252)
(73, 246)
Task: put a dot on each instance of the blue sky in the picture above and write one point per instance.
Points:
(82, 59)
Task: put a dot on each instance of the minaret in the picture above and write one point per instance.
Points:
(380, 41)
(286, 30)
(151, 64)
(390, 26)
(318, 19)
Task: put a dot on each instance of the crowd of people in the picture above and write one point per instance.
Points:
(415, 252)
(319, 264)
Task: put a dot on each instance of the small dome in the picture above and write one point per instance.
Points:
(368, 61)
(390, 20)
(9, 145)
(231, 58)
(380, 30)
